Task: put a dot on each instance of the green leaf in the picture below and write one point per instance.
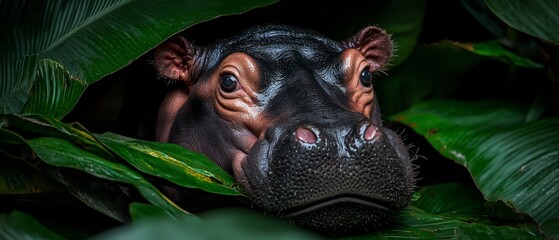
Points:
(62, 153)
(172, 162)
(104, 196)
(217, 224)
(90, 39)
(18, 225)
(451, 199)
(40, 126)
(143, 211)
(537, 18)
(495, 50)
(55, 91)
(510, 160)
(416, 79)
(16, 79)
(404, 24)
(483, 15)
(18, 178)
(450, 211)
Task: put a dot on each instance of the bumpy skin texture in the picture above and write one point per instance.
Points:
(293, 115)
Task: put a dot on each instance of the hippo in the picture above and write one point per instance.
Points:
(293, 116)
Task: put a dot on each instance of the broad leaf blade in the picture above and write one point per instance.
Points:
(142, 211)
(18, 178)
(16, 79)
(90, 38)
(40, 126)
(404, 24)
(416, 79)
(537, 18)
(495, 50)
(55, 91)
(172, 162)
(510, 160)
(62, 153)
(451, 199)
(450, 211)
(18, 225)
(228, 224)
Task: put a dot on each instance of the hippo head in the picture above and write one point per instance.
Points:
(294, 117)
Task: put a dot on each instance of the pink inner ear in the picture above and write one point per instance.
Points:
(374, 44)
(173, 59)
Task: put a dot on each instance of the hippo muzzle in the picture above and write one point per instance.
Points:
(294, 117)
(344, 178)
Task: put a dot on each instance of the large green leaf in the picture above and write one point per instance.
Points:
(510, 160)
(19, 178)
(451, 211)
(404, 24)
(62, 153)
(37, 125)
(18, 225)
(55, 91)
(218, 224)
(16, 76)
(495, 50)
(172, 162)
(483, 15)
(451, 199)
(416, 79)
(538, 18)
(434, 216)
(140, 211)
(90, 39)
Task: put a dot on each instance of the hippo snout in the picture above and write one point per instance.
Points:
(343, 178)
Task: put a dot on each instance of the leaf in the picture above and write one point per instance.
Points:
(217, 224)
(450, 211)
(495, 50)
(510, 160)
(485, 16)
(412, 223)
(18, 225)
(537, 18)
(37, 125)
(451, 199)
(55, 91)
(416, 79)
(143, 211)
(62, 153)
(16, 78)
(104, 196)
(18, 178)
(404, 24)
(90, 39)
(172, 162)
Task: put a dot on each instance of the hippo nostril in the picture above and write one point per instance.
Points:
(305, 135)
(371, 133)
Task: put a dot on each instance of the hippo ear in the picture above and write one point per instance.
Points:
(174, 59)
(374, 44)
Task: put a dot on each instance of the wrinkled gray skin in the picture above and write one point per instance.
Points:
(308, 155)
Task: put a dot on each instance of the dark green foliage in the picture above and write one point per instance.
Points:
(78, 94)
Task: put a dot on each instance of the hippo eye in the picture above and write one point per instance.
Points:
(229, 83)
(366, 77)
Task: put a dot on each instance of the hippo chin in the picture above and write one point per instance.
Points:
(294, 117)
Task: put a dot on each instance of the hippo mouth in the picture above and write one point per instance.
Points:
(341, 214)
(339, 201)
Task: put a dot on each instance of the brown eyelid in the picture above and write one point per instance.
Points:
(360, 97)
